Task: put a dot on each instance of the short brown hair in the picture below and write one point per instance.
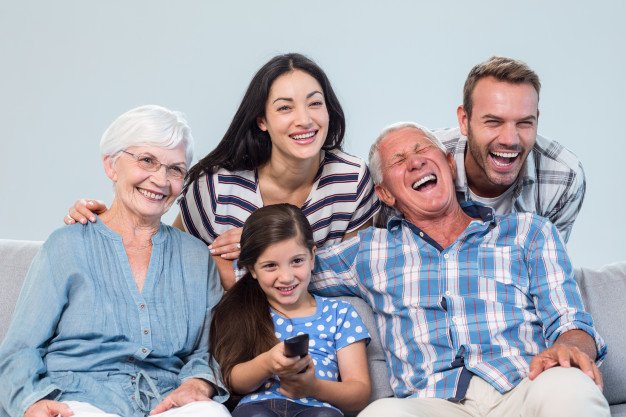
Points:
(503, 69)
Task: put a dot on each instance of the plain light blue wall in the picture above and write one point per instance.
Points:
(68, 68)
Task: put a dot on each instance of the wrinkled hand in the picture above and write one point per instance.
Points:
(299, 385)
(189, 391)
(283, 366)
(83, 210)
(226, 245)
(565, 356)
(48, 408)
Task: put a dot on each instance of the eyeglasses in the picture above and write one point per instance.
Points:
(151, 164)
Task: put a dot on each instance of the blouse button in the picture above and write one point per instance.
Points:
(146, 331)
(144, 350)
(142, 306)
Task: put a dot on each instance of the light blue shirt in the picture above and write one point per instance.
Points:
(498, 295)
(82, 330)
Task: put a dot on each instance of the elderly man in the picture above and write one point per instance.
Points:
(479, 314)
(501, 161)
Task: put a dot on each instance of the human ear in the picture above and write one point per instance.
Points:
(452, 165)
(109, 167)
(384, 195)
(463, 119)
(260, 121)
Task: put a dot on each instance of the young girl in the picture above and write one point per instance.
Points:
(271, 303)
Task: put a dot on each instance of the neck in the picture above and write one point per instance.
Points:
(289, 174)
(304, 307)
(445, 229)
(477, 179)
(136, 232)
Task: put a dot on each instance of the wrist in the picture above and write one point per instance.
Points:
(202, 386)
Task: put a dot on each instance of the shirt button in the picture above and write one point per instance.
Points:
(131, 359)
(132, 378)
(144, 350)
(446, 256)
(142, 306)
(146, 331)
(454, 319)
(421, 234)
(448, 293)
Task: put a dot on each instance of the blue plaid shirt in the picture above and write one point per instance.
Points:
(502, 292)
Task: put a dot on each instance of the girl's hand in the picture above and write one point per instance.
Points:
(83, 210)
(300, 385)
(226, 245)
(283, 366)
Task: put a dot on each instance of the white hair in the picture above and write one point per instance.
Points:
(149, 125)
(374, 155)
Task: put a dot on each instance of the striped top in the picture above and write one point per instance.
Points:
(502, 292)
(342, 199)
(550, 184)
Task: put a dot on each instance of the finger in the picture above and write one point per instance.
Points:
(163, 406)
(597, 377)
(56, 408)
(563, 357)
(537, 366)
(68, 220)
(233, 253)
(86, 209)
(585, 364)
(76, 215)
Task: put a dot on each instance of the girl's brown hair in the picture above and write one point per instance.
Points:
(242, 326)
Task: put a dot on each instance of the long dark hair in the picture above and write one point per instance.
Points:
(245, 146)
(242, 326)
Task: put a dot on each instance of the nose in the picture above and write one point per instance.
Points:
(415, 162)
(159, 176)
(303, 116)
(509, 136)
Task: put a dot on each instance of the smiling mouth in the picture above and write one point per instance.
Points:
(503, 159)
(286, 289)
(150, 195)
(304, 136)
(425, 183)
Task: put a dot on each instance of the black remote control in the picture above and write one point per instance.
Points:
(297, 345)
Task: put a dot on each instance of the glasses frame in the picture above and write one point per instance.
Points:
(157, 165)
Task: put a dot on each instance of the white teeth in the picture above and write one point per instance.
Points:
(303, 136)
(286, 288)
(151, 195)
(506, 154)
(427, 178)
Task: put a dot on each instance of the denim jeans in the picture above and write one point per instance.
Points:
(282, 408)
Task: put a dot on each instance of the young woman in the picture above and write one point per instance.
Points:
(283, 146)
(270, 304)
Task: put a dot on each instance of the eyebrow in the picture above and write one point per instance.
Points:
(493, 116)
(311, 94)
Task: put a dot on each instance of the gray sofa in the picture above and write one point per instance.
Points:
(604, 291)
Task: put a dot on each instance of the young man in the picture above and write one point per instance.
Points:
(501, 161)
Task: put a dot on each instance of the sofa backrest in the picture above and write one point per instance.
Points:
(604, 293)
(15, 258)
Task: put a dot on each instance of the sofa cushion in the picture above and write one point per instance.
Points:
(15, 259)
(603, 291)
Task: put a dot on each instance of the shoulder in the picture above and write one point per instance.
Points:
(524, 227)
(69, 236)
(551, 155)
(337, 160)
(449, 137)
(187, 242)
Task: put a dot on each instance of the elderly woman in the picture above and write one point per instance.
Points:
(113, 317)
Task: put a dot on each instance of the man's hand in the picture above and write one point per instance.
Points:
(48, 408)
(191, 390)
(566, 356)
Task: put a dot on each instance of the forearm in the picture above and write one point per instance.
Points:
(247, 377)
(581, 340)
(225, 269)
(346, 395)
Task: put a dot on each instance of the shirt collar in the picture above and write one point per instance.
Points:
(471, 208)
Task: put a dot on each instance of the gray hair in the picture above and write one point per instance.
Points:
(148, 125)
(374, 155)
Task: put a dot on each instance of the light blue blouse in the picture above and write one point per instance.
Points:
(82, 331)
